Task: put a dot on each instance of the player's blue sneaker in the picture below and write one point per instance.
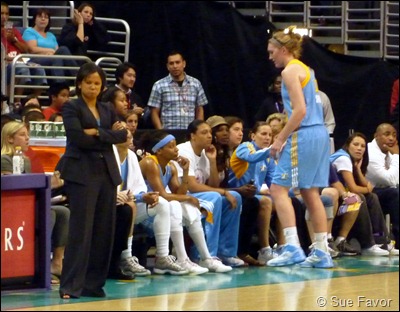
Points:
(290, 254)
(318, 259)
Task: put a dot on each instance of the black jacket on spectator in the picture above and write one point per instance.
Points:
(96, 37)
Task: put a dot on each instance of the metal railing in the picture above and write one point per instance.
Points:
(363, 28)
(109, 66)
(60, 13)
(391, 31)
(120, 33)
(118, 29)
(18, 61)
(3, 70)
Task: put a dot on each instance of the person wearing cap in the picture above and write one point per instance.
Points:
(222, 206)
(250, 204)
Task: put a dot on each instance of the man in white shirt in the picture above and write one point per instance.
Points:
(383, 172)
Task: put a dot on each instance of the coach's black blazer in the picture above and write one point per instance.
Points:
(77, 164)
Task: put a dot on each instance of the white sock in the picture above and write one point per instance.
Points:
(265, 248)
(179, 244)
(161, 228)
(321, 241)
(291, 236)
(127, 253)
(197, 234)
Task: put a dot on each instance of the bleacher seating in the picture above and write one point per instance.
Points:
(120, 33)
(60, 13)
(117, 50)
(17, 62)
(109, 65)
(360, 28)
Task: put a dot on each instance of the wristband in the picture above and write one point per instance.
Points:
(138, 197)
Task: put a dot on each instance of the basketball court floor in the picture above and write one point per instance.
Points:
(355, 284)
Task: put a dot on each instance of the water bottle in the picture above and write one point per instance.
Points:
(18, 161)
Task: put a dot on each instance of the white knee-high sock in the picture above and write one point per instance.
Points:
(161, 228)
(127, 253)
(197, 234)
(179, 244)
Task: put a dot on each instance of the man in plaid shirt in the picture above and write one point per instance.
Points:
(177, 99)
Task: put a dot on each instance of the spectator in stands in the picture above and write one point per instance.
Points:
(31, 106)
(299, 165)
(84, 32)
(30, 99)
(273, 101)
(177, 99)
(117, 99)
(251, 164)
(41, 41)
(351, 164)
(161, 176)
(12, 40)
(222, 222)
(125, 76)
(15, 134)
(58, 96)
(91, 178)
(383, 172)
(33, 115)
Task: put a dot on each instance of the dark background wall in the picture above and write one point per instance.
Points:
(227, 52)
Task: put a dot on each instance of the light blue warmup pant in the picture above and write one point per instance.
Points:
(222, 229)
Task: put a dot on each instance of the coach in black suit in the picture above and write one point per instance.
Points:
(91, 175)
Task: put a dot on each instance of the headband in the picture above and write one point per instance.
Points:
(276, 42)
(163, 142)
